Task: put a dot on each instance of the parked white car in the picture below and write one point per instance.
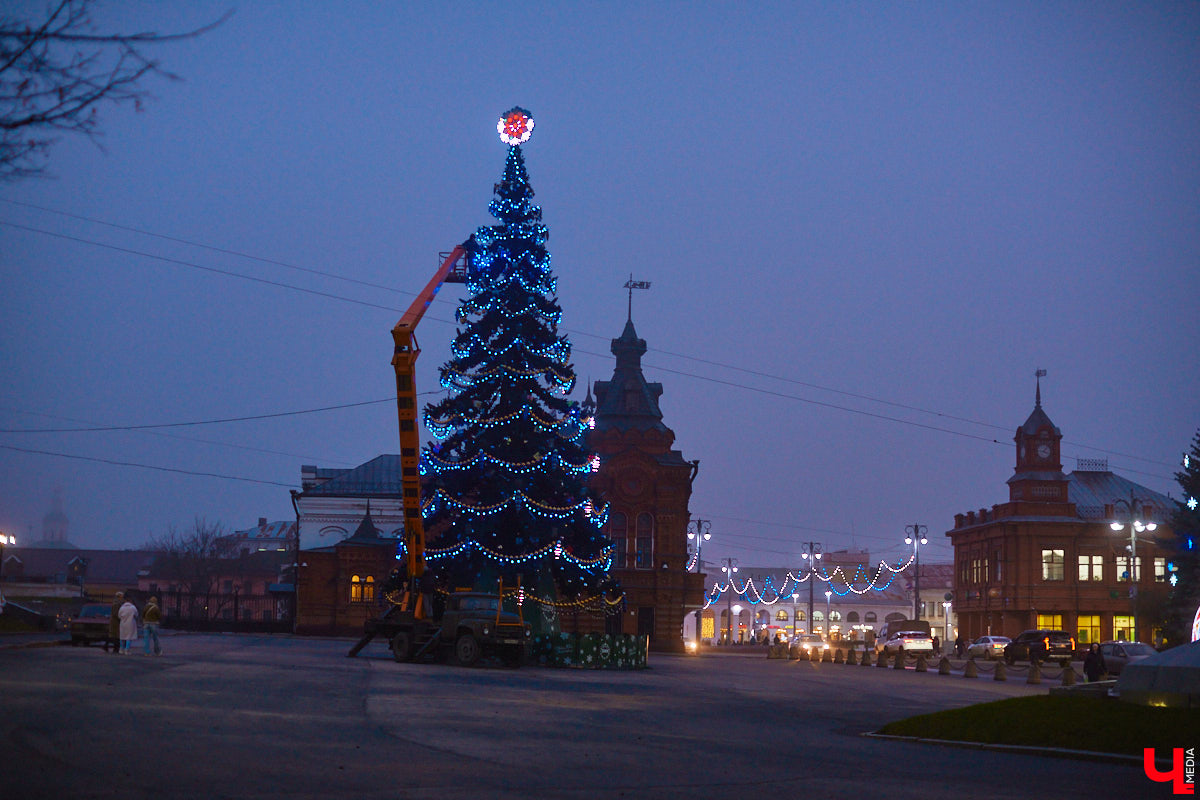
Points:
(911, 641)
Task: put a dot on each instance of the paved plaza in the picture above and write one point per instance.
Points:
(232, 716)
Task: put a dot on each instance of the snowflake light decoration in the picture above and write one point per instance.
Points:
(1191, 503)
(515, 126)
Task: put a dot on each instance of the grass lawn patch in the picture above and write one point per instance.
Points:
(1077, 723)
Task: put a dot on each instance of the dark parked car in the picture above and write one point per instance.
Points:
(1119, 654)
(1041, 645)
(90, 625)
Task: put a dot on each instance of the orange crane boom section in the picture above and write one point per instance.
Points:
(404, 358)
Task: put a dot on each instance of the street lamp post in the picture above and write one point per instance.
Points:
(916, 537)
(699, 531)
(729, 568)
(1135, 510)
(794, 620)
(4, 539)
(946, 612)
(828, 627)
(812, 554)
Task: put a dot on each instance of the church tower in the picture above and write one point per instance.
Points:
(1038, 475)
(647, 485)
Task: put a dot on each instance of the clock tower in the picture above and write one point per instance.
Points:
(1038, 476)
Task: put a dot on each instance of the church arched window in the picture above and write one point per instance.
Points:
(618, 532)
(645, 541)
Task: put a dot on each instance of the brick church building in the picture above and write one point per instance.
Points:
(647, 485)
(1050, 558)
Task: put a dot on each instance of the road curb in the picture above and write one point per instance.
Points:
(1057, 752)
(27, 645)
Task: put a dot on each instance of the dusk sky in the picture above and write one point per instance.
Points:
(865, 227)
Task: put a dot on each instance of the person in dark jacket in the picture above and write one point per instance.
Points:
(960, 646)
(151, 618)
(114, 623)
(1093, 664)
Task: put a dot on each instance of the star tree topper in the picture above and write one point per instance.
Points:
(515, 126)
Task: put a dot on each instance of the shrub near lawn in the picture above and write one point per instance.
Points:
(1074, 723)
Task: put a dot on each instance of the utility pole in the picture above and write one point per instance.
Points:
(811, 554)
(916, 537)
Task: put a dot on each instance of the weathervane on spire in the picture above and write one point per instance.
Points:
(1037, 376)
(515, 126)
(631, 284)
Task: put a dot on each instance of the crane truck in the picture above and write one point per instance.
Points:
(472, 623)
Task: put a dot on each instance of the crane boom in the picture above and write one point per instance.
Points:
(404, 359)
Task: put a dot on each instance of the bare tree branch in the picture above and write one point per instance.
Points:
(53, 76)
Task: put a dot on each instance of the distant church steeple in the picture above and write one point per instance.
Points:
(1038, 473)
(54, 524)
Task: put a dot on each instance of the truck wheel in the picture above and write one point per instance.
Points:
(466, 649)
(401, 647)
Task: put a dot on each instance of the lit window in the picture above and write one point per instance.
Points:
(1160, 570)
(355, 589)
(1052, 565)
(1091, 568)
(1123, 569)
(368, 590)
(1089, 628)
(781, 615)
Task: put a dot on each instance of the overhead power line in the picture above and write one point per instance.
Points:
(745, 370)
(114, 462)
(199, 422)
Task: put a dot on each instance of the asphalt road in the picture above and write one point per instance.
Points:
(239, 716)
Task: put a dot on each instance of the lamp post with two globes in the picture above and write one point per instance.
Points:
(916, 537)
(699, 531)
(811, 554)
(1137, 523)
(729, 568)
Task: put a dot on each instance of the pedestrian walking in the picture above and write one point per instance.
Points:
(937, 645)
(114, 624)
(960, 646)
(1093, 664)
(151, 617)
(128, 626)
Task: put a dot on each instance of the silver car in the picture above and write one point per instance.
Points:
(1118, 654)
(989, 647)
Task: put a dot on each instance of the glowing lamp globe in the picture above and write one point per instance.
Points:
(515, 126)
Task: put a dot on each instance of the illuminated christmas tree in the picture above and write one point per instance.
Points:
(506, 483)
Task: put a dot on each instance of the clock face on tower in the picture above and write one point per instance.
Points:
(1043, 451)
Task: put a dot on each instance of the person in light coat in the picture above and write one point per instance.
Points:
(129, 616)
